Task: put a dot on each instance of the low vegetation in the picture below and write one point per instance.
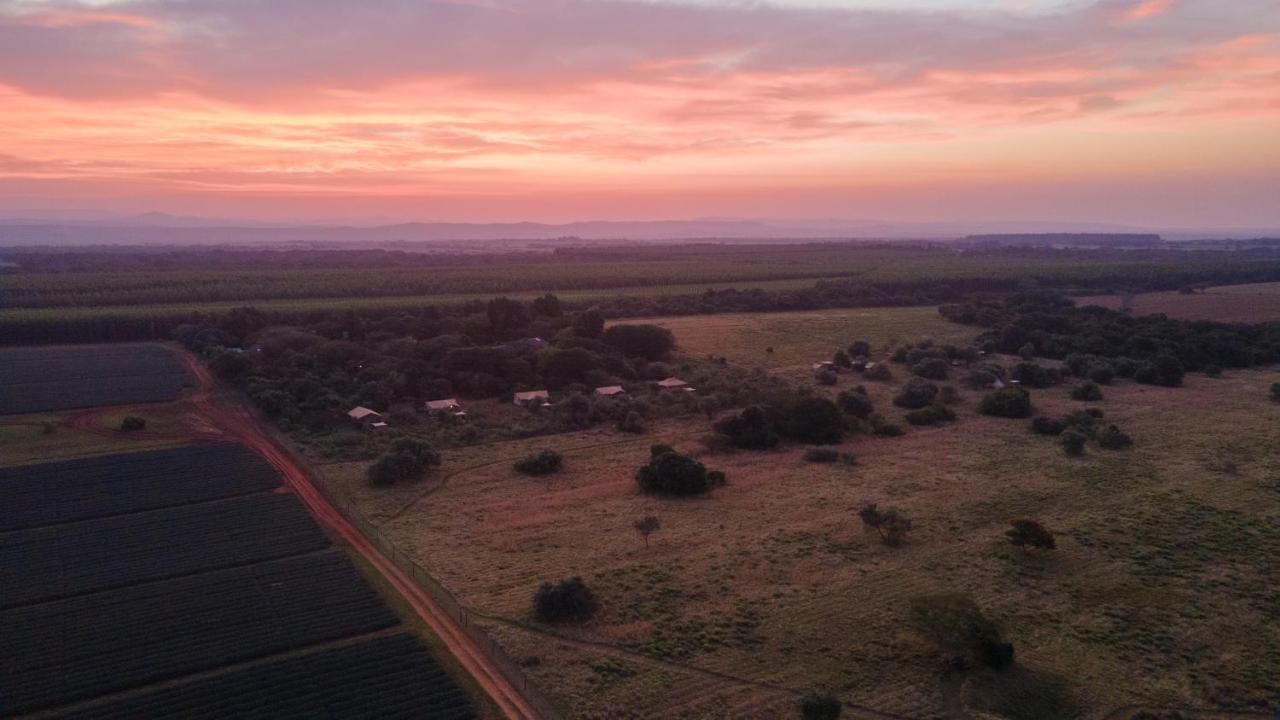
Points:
(671, 473)
(891, 525)
(407, 460)
(1010, 402)
(545, 462)
(566, 601)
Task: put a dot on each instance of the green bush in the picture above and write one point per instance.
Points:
(931, 415)
(884, 428)
(566, 601)
(671, 473)
(1112, 438)
(856, 403)
(879, 371)
(812, 420)
(891, 524)
(822, 455)
(1029, 532)
(541, 463)
(820, 706)
(408, 459)
(751, 429)
(1009, 402)
(931, 368)
(1048, 426)
(915, 394)
(1087, 392)
(1072, 442)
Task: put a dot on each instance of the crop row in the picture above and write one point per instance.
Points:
(386, 677)
(42, 379)
(83, 489)
(60, 652)
(60, 561)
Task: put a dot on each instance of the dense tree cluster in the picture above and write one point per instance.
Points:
(671, 473)
(1153, 349)
(408, 459)
(791, 416)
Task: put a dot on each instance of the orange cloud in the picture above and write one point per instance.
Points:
(1147, 9)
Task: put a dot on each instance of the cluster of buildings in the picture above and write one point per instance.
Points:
(450, 407)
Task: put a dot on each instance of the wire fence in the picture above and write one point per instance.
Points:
(509, 668)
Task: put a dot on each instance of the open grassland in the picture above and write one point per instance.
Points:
(1161, 592)
(1251, 303)
(42, 437)
(800, 339)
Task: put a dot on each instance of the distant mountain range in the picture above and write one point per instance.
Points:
(72, 228)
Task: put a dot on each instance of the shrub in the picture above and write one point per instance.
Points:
(931, 415)
(1028, 532)
(1048, 426)
(670, 473)
(948, 395)
(1101, 372)
(566, 601)
(1027, 351)
(1126, 367)
(915, 394)
(1164, 369)
(1087, 391)
(884, 428)
(541, 463)
(891, 524)
(1032, 375)
(841, 359)
(751, 429)
(1112, 438)
(651, 342)
(931, 368)
(822, 455)
(856, 403)
(1082, 421)
(1007, 403)
(827, 377)
(859, 348)
(408, 459)
(820, 706)
(955, 624)
(879, 371)
(132, 423)
(1213, 371)
(632, 422)
(1072, 442)
(813, 420)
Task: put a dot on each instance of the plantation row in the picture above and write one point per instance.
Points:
(381, 678)
(60, 652)
(98, 487)
(653, 266)
(882, 277)
(43, 564)
(42, 379)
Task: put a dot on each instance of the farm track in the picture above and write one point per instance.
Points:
(227, 418)
(639, 658)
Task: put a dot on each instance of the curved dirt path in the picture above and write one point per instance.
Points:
(229, 418)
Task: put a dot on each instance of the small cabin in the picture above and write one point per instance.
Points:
(610, 390)
(532, 398)
(674, 384)
(377, 426)
(364, 415)
(447, 405)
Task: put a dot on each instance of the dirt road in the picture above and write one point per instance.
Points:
(223, 415)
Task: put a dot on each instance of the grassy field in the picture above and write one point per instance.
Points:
(45, 437)
(800, 339)
(1161, 592)
(1252, 303)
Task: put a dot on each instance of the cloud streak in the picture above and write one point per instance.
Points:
(547, 96)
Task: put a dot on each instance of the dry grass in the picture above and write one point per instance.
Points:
(1258, 302)
(47, 437)
(800, 339)
(1162, 589)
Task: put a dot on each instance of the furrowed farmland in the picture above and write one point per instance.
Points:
(35, 380)
(122, 571)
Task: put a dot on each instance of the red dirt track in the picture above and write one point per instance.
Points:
(229, 418)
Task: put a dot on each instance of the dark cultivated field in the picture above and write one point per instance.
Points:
(116, 484)
(93, 644)
(42, 564)
(122, 571)
(384, 678)
(44, 379)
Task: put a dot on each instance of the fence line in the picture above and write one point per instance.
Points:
(509, 668)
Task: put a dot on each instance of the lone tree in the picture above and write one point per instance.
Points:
(1072, 442)
(646, 526)
(915, 394)
(1087, 391)
(1029, 532)
(955, 623)
(566, 601)
(408, 459)
(819, 705)
(891, 524)
(670, 473)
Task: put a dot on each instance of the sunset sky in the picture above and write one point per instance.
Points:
(1157, 112)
